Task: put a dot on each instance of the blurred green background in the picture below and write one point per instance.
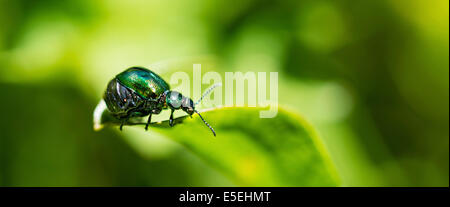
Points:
(372, 77)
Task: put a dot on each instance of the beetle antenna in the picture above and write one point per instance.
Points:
(205, 122)
(208, 91)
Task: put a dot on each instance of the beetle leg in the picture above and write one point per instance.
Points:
(148, 121)
(121, 125)
(171, 119)
(125, 120)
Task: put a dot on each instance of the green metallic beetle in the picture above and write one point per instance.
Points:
(139, 92)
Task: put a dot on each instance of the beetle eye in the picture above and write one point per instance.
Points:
(188, 105)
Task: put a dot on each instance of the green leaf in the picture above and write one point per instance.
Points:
(281, 151)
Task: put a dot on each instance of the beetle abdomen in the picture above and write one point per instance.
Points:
(120, 99)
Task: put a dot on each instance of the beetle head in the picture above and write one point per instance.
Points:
(176, 100)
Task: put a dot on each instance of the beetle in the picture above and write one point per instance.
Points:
(138, 92)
